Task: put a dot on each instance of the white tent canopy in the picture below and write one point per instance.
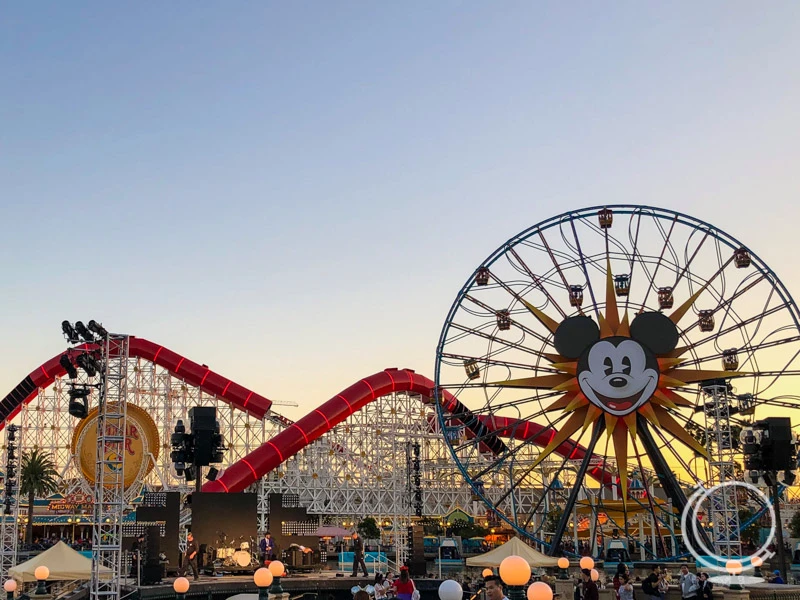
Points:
(513, 547)
(65, 564)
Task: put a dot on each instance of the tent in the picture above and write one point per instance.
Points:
(65, 564)
(328, 531)
(514, 546)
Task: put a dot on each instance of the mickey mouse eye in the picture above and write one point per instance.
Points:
(626, 365)
(608, 365)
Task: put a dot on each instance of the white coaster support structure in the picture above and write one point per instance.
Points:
(109, 486)
(9, 530)
(723, 508)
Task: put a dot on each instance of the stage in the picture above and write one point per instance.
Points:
(322, 584)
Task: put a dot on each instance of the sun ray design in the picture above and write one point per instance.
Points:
(617, 369)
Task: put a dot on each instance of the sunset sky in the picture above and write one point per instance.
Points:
(293, 193)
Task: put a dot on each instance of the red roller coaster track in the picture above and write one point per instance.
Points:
(297, 435)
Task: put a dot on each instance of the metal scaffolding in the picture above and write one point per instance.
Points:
(723, 509)
(109, 486)
(9, 530)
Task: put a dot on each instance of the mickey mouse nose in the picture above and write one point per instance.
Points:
(618, 382)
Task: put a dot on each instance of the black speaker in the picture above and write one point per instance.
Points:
(417, 568)
(152, 574)
(152, 545)
(777, 450)
(203, 423)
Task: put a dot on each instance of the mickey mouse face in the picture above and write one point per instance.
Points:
(617, 374)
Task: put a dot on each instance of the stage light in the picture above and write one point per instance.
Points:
(83, 332)
(539, 590)
(69, 332)
(212, 474)
(189, 473)
(181, 586)
(587, 563)
(97, 328)
(450, 590)
(77, 402)
(789, 477)
(12, 432)
(10, 586)
(88, 364)
(41, 573)
(263, 579)
(67, 365)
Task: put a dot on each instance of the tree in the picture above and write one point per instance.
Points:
(368, 528)
(466, 530)
(794, 525)
(551, 522)
(752, 531)
(38, 479)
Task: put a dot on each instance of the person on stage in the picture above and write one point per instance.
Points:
(358, 556)
(267, 547)
(190, 557)
(136, 549)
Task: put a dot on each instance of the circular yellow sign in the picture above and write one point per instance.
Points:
(141, 441)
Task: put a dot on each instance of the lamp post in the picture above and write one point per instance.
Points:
(181, 586)
(10, 586)
(450, 590)
(757, 562)
(515, 573)
(263, 579)
(734, 568)
(563, 564)
(277, 570)
(41, 573)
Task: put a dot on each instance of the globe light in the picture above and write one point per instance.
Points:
(181, 586)
(10, 586)
(757, 561)
(450, 590)
(487, 573)
(733, 567)
(587, 562)
(563, 563)
(539, 590)
(263, 577)
(276, 568)
(595, 575)
(515, 570)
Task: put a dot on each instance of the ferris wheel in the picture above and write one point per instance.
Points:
(618, 347)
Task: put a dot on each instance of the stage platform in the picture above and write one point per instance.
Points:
(321, 584)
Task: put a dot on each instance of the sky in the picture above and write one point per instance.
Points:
(294, 193)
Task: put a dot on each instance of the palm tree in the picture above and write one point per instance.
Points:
(37, 479)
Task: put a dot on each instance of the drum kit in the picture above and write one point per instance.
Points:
(243, 555)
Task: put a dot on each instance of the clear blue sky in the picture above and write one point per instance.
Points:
(294, 192)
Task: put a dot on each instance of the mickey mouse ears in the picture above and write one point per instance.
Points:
(653, 330)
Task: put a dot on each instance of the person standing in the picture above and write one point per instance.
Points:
(494, 588)
(136, 550)
(267, 547)
(622, 569)
(190, 555)
(704, 590)
(688, 583)
(358, 556)
(650, 584)
(625, 587)
(590, 591)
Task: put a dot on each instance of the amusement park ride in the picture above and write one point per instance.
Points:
(596, 367)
